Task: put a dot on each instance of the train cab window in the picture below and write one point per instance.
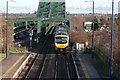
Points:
(61, 40)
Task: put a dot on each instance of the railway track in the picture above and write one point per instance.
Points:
(34, 64)
(55, 66)
(66, 67)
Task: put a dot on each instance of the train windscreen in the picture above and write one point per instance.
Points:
(61, 40)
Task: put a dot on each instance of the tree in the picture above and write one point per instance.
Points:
(95, 24)
(102, 20)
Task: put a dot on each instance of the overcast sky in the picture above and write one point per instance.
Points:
(72, 6)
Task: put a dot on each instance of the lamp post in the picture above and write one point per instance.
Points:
(93, 31)
(7, 29)
(92, 27)
(112, 43)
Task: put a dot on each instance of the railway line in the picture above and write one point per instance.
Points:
(48, 64)
(30, 70)
(54, 66)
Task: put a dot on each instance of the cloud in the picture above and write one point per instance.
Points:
(103, 8)
(26, 6)
(99, 9)
(21, 9)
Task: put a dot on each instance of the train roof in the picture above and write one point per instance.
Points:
(61, 30)
(61, 33)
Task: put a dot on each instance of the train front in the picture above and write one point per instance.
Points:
(61, 38)
(61, 41)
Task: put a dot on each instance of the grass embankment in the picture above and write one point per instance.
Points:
(13, 51)
(101, 64)
(2, 56)
(18, 50)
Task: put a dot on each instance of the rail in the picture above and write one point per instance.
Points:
(38, 58)
(76, 69)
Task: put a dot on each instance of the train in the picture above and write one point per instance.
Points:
(61, 38)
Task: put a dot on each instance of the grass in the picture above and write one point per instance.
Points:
(2, 56)
(13, 51)
(18, 50)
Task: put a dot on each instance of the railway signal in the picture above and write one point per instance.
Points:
(31, 34)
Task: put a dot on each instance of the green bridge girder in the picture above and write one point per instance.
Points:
(25, 22)
(49, 12)
(51, 9)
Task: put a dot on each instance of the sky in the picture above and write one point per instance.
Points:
(72, 6)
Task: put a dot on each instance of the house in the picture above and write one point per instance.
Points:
(87, 25)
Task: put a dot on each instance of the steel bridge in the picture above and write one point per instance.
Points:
(49, 13)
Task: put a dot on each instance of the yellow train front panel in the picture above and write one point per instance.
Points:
(61, 41)
(61, 45)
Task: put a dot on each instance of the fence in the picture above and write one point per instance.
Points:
(104, 61)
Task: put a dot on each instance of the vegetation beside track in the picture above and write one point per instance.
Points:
(101, 64)
(2, 56)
